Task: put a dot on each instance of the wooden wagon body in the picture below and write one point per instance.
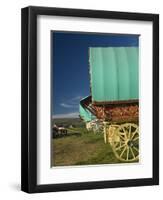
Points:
(112, 112)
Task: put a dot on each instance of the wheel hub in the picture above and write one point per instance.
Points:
(130, 143)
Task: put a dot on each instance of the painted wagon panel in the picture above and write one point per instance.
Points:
(85, 113)
(113, 74)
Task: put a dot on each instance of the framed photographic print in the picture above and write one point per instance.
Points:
(90, 99)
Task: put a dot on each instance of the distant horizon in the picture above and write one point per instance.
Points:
(66, 116)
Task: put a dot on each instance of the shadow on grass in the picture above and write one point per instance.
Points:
(78, 134)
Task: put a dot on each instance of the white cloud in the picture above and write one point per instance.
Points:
(66, 105)
(77, 98)
(72, 103)
(67, 115)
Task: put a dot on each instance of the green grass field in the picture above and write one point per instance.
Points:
(81, 147)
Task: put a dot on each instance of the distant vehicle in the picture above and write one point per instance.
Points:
(59, 131)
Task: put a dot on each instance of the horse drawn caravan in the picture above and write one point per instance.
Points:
(115, 98)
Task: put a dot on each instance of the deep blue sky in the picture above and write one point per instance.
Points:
(70, 74)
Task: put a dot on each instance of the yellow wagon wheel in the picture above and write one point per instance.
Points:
(125, 142)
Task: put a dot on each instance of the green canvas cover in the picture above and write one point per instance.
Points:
(114, 73)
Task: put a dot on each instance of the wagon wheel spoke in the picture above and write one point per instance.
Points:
(128, 149)
(124, 132)
(136, 138)
(123, 151)
(123, 138)
(116, 144)
(120, 146)
(134, 133)
(133, 155)
(129, 132)
(136, 149)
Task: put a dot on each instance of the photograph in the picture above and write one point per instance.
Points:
(90, 99)
(94, 98)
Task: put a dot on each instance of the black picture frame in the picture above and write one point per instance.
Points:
(29, 99)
